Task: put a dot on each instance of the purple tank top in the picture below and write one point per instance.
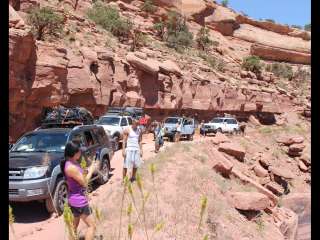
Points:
(76, 193)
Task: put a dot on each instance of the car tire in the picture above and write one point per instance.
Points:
(105, 170)
(59, 197)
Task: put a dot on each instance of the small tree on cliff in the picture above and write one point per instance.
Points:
(253, 64)
(45, 22)
(225, 3)
(203, 40)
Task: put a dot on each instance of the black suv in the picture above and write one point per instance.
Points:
(34, 163)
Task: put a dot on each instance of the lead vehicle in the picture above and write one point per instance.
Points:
(34, 163)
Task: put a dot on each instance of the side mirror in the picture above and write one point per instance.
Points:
(10, 146)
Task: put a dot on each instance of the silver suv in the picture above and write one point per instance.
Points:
(221, 124)
(34, 163)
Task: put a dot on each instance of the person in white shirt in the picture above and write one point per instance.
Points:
(132, 149)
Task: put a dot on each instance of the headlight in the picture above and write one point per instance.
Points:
(35, 172)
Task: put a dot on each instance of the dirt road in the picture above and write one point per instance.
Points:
(32, 222)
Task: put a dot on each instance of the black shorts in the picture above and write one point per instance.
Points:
(78, 211)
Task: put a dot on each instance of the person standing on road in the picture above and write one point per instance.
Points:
(77, 183)
(132, 149)
(202, 132)
(159, 133)
(178, 133)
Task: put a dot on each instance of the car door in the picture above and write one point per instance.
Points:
(186, 127)
(230, 125)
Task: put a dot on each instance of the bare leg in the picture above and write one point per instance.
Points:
(134, 171)
(76, 221)
(89, 220)
(124, 173)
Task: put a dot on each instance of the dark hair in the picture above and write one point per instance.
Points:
(70, 150)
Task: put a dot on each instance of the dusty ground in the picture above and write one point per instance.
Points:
(183, 175)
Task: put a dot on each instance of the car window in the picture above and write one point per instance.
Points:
(113, 121)
(101, 135)
(79, 138)
(231, 121)
(217, 120)
(124, 122)
(130, 121)
(172, 120)
(187, 122)
(89, 138)
(41, 142)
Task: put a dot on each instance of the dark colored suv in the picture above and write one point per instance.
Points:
(34, 163)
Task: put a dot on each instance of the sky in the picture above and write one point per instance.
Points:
(292, 12)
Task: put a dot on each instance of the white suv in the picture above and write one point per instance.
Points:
(221, 124)
(114, 126)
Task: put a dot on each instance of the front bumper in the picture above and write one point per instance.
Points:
(208, 130)
(29, 190)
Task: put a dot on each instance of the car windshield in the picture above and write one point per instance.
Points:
(172, 120)
(114, 121)
(217, 120)
(41, 142)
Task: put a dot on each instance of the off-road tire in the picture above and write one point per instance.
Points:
(59, 197)
(116, 143)
(105, 169)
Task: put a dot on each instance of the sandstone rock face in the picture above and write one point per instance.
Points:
(281, 172)
(220, 138)
(279, 54)
(185, 7)
(248, 200)
(222, 20)
(260, 171)
(271, 39)
(169, 66)
(149, 66)
(233, 149)
(220, 163)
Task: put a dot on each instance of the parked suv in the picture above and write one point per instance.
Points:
(221, 124)
(114, 126)
(187, 127)
(34, 163)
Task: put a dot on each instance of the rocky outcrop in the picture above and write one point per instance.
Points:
(222, 20)
(233, 149)
(272, 39)
(281, 55)
(274, 27)
(248, 201)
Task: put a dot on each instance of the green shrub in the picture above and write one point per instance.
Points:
(307, 27)
(148, 6)
(139, 40)
(214, 62)
(178, 35)
(253, 64)
(270, 20)
(110, 19)
(45, 21)
(296, 26)
(225, 3)
(280, 70)
(203, 40)
(159, 27)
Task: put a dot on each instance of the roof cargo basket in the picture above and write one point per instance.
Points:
(66, 117)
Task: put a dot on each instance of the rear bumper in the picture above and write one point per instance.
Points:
(208, 130)
(29, 190)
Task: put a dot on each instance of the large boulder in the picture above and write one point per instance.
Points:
(222, 20)
(14, 19)
(281, 172)
(169, 66)
(220, 163)
(253, 201)
(150, 66)
(289, 140)
(233, 149)
(220, 138)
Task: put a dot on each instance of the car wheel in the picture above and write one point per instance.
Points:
(60, 196)
(104, 172)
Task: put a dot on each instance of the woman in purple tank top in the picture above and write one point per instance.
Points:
(77, 186)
